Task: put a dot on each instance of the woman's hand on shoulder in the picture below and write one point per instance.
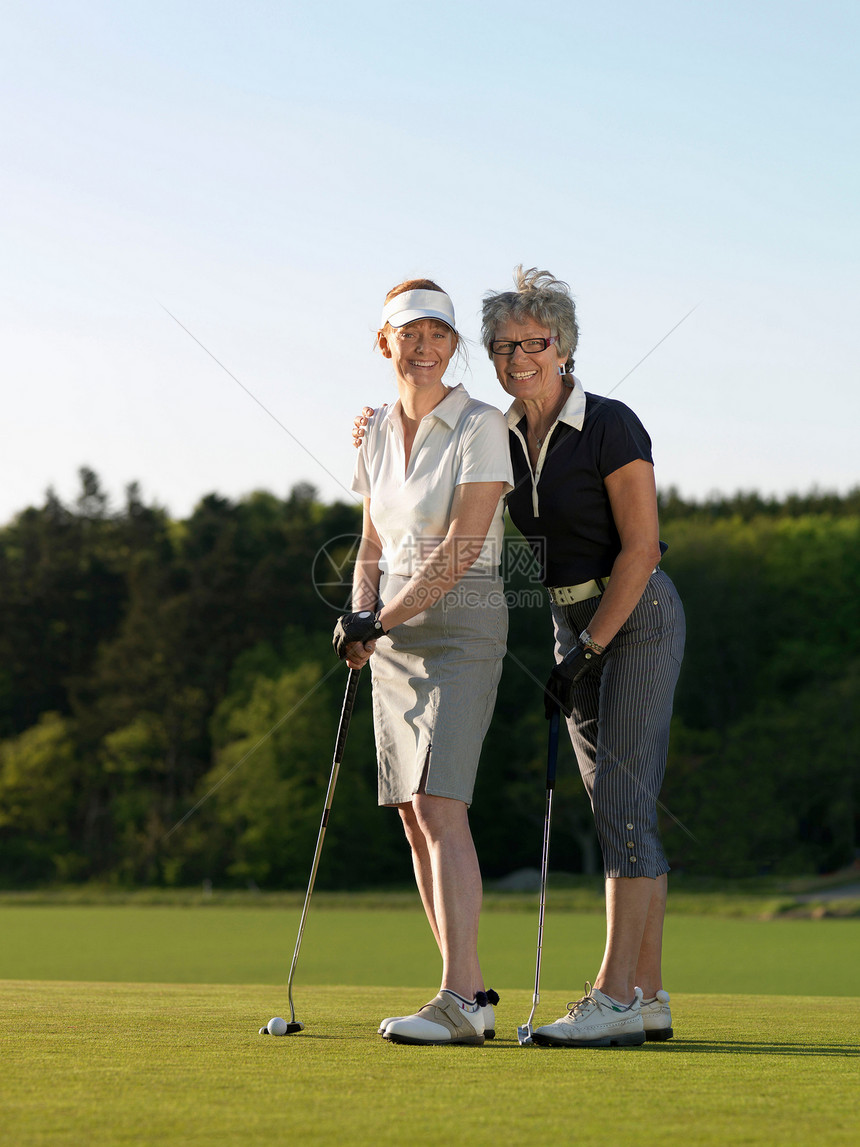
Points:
(359, 426)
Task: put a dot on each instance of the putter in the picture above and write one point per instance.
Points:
(525, 1031)
(293, 1025)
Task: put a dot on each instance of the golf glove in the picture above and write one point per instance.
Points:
(558, 691)
(364, 626)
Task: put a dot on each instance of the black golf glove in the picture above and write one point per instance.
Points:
(352, 627)
(558, 691)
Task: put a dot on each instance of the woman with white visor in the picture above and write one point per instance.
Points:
(431, 619)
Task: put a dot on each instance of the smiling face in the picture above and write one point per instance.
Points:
(529, 377)
(420, 352)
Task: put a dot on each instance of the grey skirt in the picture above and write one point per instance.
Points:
(434, 689)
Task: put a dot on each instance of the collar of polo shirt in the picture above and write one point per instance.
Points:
(572, 413)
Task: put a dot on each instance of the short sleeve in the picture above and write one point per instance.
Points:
(361, 473)
(624, 439)
(485, 456)
(360, 478)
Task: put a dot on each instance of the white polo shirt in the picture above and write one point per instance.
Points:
(461, 440)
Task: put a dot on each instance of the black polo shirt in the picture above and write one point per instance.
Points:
(566, 516)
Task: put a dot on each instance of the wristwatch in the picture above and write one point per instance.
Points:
(587, 640)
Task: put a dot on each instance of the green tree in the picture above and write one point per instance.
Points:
(777, 792)
(266, 792)
(40, 774)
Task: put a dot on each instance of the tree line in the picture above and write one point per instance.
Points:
(169, 697)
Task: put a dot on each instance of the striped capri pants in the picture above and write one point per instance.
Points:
(620, 723)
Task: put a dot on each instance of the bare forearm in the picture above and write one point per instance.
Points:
(439, 574)
(627, 582)
(472, 509)
(633, 497)
(365, 587)
(366, 575)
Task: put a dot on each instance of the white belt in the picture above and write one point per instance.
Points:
(571, 594)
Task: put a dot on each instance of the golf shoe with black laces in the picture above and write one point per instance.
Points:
(596, 1021)
(486, 1002)
(447, 1019)
(656, 1017)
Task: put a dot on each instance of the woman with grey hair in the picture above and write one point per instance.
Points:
(584, 496)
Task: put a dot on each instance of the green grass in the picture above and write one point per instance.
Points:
(170, 1064)
(133, 1024)
(763, 898)
(370, 947)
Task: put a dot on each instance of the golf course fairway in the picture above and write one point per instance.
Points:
(99, 1048)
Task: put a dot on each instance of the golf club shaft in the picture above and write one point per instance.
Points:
(551, 759)
(342, 730)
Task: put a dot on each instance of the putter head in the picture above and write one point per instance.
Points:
(524, 1035)
(292, 1027)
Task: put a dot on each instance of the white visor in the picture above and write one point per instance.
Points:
(412, 305)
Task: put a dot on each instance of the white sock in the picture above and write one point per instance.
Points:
(618, 1003)
(469, 1006)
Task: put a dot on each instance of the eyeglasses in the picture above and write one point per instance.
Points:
(530, 346)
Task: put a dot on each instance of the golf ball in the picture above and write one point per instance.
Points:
(277, 1026)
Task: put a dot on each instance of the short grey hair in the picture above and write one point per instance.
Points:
(539, 296)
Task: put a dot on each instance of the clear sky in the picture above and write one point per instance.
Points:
(267, 170)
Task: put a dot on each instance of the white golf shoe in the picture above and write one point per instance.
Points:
(595, 1021)
(656, 1017)
(488, 1015)
(443, 1021)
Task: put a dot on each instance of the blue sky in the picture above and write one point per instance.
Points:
(266, 171)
